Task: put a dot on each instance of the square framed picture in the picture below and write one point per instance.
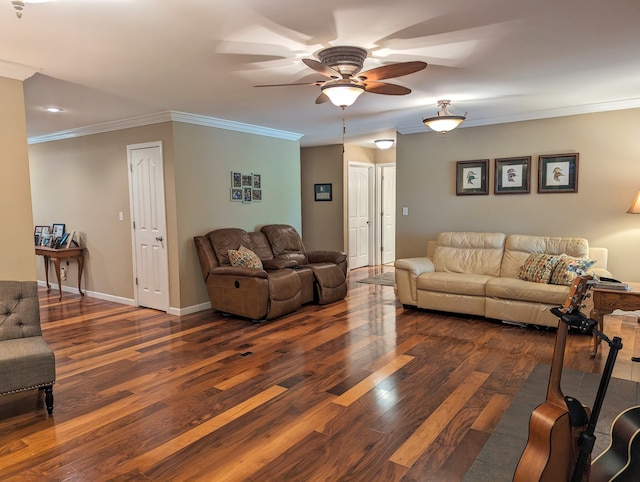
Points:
(247, 180)
(236, 194)
(512, 175)
(247, 195)
(322, 192)
(558, 173)
(256, 195)
(236, 179)
(58, 230)
(472, 177)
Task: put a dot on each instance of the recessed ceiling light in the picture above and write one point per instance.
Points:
(53, 109)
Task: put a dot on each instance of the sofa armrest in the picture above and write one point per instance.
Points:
(278, 263)
(415, 266)
(239, 271)
(336, 257)
(600, 272)
(407, 270)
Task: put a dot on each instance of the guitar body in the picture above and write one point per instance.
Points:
(549, 455)
(621, 461)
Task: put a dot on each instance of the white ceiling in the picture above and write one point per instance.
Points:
(499, 60)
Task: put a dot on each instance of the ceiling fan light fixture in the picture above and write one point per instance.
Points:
(18, 6)
(342, 95)
(444, 121)
(384, 143)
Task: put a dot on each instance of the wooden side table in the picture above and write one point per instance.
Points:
(58, 254)
(605, 301)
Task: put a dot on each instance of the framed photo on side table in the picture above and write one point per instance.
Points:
(58, 230)
(471, 177)
(512, 175)
(558, 173)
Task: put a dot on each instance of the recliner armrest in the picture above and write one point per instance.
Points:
(239, 271)
(336, 257)
(278, 263)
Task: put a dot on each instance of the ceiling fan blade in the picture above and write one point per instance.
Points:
(323, 69)
(317, 82)
(386, 89)
(393, 70)
(322, 98)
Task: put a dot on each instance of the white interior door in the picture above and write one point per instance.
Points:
(359, 215)
(149, 225)
(388, 214)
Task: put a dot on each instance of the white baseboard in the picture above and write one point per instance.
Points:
(190, 309)
(128, 301)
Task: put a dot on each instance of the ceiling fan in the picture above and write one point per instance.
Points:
(342, 66)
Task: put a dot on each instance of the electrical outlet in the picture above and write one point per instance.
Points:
(121, 216)
(405, 211)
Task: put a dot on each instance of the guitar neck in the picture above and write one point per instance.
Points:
(573, 302)
(554, 391)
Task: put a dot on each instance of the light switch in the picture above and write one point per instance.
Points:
(121, 216)
(405, 211)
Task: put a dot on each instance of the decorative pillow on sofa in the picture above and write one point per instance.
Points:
(538, 267)
(244, 257)
(566, 270)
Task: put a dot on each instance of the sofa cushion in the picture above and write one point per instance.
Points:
(517, 289)
(466, 252)
(519, 246)
(455, 283)
(566, 270)
(225, 239)
(538, 267)
(244, 257)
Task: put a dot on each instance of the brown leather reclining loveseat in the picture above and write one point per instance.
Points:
(268, 273)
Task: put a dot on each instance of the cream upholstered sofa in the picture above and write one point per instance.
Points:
(478, 274)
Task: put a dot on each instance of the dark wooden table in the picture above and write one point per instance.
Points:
(606, 301)
(59, 254)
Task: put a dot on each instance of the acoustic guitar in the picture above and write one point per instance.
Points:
(551, 453)
(621, 461)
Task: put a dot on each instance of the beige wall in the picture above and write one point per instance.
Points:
(609, 177)
(17, 255)
(322, 221)
(83, 182)
(205, 157)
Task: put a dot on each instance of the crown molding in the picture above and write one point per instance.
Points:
(167, 116)
(542, 114)
(11, 70)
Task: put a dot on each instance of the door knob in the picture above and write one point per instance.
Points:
(158, 238)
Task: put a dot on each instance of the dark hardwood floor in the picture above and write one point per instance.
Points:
(360, 390)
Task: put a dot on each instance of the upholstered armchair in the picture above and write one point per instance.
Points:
(26, 360)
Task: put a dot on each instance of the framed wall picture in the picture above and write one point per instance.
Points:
(247, 195)
(236, 194)
(512, 175)
(247, 180)
(257, 181)
(236, 179)
(472, 177)
(256, 195)
(322, 192)
(558, 173)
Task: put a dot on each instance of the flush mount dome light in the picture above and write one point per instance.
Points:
(342, 94)
(52, 109)
(384, 143)
(444, 121)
